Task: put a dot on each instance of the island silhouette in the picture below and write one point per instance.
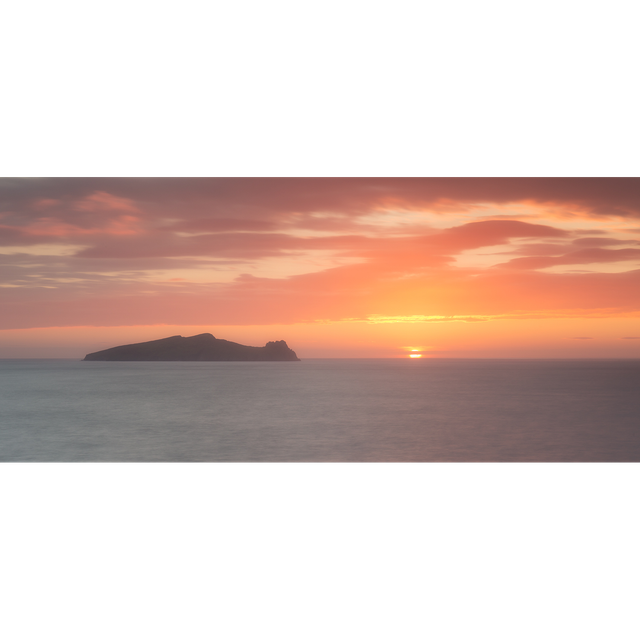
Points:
(201, 348)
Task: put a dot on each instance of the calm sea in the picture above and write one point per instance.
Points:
(321, 410)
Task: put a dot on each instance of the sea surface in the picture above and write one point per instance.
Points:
(392, 410)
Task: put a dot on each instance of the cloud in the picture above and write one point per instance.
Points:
(351, 291)
(415, 319)
(103, 201)
(600, 242)
(493, 232)
(42, 204)
(219, 225)
(230, 197)
(585, 256)
(122, 250)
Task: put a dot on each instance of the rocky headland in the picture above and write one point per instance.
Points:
(200, 348)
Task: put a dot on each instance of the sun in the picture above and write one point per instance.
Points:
(415, 351)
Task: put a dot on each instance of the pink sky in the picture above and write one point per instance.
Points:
(337, 267)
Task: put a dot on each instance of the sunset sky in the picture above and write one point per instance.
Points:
(362, 267)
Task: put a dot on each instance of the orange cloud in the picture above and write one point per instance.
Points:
(585, 256)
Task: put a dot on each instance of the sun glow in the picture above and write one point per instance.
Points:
(363, 268)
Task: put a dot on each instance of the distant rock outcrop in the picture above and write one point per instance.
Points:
(203, 347)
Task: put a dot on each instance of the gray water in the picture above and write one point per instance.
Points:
(321, 410)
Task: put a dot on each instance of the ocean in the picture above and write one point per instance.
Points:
(321, 410)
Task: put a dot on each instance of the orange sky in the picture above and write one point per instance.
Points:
(483, 267)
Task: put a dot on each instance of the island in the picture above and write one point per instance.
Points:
(201, 348)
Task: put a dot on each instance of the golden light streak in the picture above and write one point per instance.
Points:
(378, 319)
